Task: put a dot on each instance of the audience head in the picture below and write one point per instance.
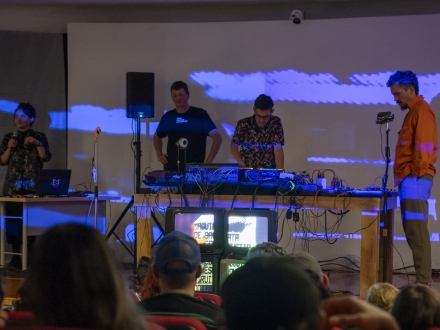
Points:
(73, 281)
(382, 295)
(309, 264)
(150, 287)
(307, 261)
(417, 307)
(177, 263)
(270, 293)
(266, 249)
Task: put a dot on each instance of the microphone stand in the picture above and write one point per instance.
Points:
(386, 230)
(95, 173)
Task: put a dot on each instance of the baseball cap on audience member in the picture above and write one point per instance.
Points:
(307, 261)
(177, 246)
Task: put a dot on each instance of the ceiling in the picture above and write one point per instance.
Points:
(54, 15)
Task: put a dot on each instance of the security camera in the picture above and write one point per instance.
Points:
(296, 16)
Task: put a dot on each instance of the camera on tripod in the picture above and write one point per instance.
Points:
(383, 117)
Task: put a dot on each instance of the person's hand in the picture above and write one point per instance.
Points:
(3, 317)
(31, 140)
(349, 311)
(12, 143)
(163, 158)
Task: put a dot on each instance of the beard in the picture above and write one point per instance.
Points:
(404, 107)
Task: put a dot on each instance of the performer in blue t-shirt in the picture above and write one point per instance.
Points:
(188, 122)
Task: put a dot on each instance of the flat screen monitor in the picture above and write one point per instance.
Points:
(247, 228)
(227, 266)
(208, 281)
(204, 224)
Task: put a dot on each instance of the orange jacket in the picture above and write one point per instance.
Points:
(417, 145)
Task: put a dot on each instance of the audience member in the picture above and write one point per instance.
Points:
(311, 266)
(350, 312)
(309, 262)
(382, 295)
(270, 293)
(73, 281)
(266, 249)
(177, 266)
(150, 288)
(417, 307)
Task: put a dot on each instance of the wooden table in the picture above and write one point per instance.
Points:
(39, 213)
(371, 262)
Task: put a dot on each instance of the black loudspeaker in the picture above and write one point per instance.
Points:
(140, 95)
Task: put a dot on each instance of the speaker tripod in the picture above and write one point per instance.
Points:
(138, 155)
(386, 230)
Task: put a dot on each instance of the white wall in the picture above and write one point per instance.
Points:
(331, 116)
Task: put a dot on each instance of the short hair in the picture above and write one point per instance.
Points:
(179, 85)
(382, 295)
(266, 249)
(417, 307)
(404, 79)
(270, 293)
(177, 281)
(263, 102)
(28, 110)
(73, 281)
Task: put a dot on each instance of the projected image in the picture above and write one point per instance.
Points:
(205, 281)
(199, 226)
(247, 231)
(294, 86)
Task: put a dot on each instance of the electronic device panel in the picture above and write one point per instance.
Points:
(204, 224)
(247, 228)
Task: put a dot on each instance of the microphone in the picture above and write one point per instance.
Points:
(15, 135)
(182, 143)
(96, 132)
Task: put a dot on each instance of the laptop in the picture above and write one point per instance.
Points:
(53, 183)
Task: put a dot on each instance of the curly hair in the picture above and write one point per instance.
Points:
(404, 79)
(382, 295)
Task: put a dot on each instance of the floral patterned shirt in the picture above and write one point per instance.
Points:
(24, 163)
(256, 145)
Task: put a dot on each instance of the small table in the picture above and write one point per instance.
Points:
(40, 213)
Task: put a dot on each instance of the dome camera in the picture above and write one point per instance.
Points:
(296, 16)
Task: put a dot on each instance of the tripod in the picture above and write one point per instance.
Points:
(138, 155)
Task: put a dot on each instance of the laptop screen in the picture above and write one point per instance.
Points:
(53, 183)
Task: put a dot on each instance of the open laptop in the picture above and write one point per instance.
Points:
(53, 183)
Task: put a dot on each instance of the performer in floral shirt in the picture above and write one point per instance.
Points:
(24, 151)
(258, 140)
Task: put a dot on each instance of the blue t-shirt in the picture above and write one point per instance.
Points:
(194, 125)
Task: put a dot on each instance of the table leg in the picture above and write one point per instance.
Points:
(386, 247)
(369, 251)
(143, 232)
(2, 234)
(24, 245)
